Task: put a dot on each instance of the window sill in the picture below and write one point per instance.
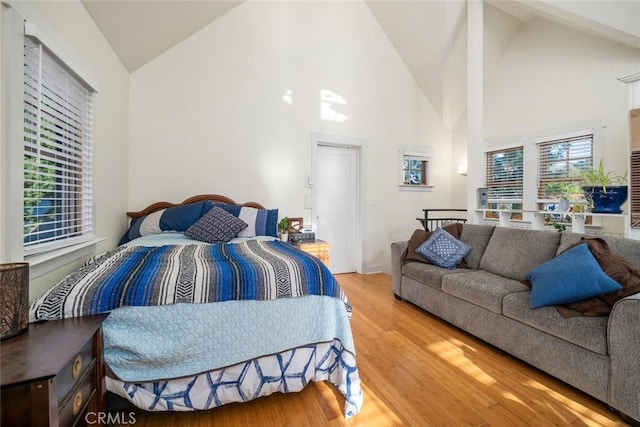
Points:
(408, 187)
(44, 263)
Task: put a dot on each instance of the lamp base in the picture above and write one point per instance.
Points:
(14, 299)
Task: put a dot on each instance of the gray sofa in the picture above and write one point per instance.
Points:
(598, 355)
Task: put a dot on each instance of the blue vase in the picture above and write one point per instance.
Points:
(608, 202)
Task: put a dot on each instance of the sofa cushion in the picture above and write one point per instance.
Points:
(481, 288)
(443, 250)
(587, 332)
(627, 248)
(429, 274)
(514, 252)
(572, 276)
(477, 236)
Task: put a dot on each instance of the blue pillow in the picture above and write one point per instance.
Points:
(261, 222)
(216, 226)
(443, 250)
(572, 276)
(177, 218)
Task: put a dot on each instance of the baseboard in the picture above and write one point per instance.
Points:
(372, 269)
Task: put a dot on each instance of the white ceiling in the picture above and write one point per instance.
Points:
(429, 35)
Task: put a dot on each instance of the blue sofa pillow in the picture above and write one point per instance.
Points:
(572, 276)
(177, 218)
(443, 250)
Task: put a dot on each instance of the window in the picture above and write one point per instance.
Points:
(504, 180)
(634, 180)
(415, 167)
(560, 162)
(57, 153)
(415, 170)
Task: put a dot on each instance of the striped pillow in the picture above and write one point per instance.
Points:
(261, 222)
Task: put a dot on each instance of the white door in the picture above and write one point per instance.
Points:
(335, 209)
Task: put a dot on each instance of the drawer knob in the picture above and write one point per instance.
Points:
(77, 367)
(77, 403)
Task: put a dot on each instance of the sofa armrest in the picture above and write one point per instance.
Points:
(624, 347)
(398, 250)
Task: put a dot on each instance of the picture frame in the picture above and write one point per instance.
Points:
(296, 225)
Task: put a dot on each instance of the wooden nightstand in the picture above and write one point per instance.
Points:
(53, 374)
(317, 248)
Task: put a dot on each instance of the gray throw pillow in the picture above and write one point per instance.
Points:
(217, 226)
(443, 250)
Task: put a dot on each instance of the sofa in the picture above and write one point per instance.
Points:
(490, 300)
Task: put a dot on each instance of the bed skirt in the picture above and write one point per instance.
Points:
(286, 372)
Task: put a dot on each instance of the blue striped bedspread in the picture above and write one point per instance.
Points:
(153, 276)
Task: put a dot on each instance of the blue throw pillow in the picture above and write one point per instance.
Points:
(443, 250)
(572, 276)
(216, 226)
(177, 218)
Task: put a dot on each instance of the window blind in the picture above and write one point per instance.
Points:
(504, 175)
(560, 163)
(635, 189)
(57, 152)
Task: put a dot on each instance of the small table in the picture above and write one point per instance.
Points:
(317, 248)
(53, 373)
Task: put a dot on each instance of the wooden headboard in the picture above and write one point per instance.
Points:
(199, 198)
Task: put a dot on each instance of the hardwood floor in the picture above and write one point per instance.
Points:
(416, 370)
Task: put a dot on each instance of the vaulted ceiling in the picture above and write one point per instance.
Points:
(429, 36)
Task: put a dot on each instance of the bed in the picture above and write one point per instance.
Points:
(197, 325)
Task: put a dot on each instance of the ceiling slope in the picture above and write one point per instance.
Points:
(429, 35)
(423, 33)
(138, 31)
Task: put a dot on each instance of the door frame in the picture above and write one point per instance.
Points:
(360, 145)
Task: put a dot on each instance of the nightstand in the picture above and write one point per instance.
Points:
(317, 248)
(53, 374)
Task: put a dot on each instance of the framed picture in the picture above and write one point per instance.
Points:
(295, 225)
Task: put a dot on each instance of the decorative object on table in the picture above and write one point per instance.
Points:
(14, 299)
(295, 225)
(606, 191)
(283, 229)
(304, 236)
(482, 198)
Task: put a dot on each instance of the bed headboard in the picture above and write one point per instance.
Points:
(217, 198)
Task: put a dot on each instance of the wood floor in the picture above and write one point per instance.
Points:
(416, 370)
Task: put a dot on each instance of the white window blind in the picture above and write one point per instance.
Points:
(559, 165)
(635, 189)
(57, 153)
(504, 175)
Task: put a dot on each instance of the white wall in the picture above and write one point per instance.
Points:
(71, 27)
(208, 116)
(499, 30)
(552, 76)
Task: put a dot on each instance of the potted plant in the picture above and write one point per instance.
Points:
(283, 229)
(565, 193)
(606, 191)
